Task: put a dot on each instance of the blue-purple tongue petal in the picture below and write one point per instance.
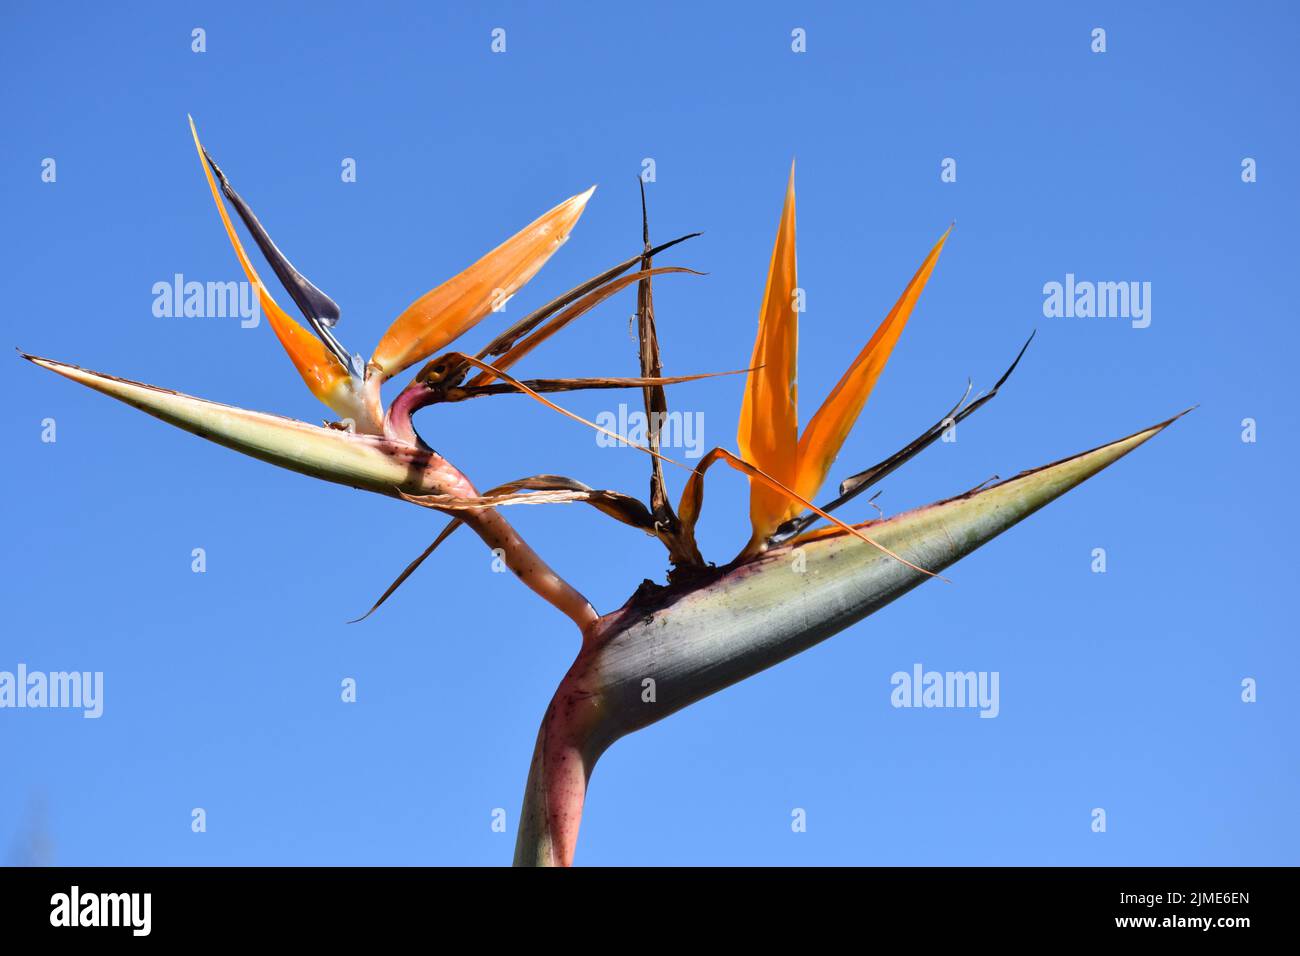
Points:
(320, 310)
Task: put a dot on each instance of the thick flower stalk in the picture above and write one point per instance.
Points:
(790, 585)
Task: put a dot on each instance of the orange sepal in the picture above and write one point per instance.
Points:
(825, 434)
(769, 414)
(324, 375)
(453, 308)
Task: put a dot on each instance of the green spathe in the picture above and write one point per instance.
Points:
(695, 642)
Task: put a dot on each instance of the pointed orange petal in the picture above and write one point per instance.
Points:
(444, 314)
(825, 434)
(769, 415)
(327, 379)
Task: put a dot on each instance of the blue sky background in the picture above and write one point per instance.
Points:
(1118, 690)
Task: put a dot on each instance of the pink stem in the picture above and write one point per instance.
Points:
(568, 744)
(488, 524)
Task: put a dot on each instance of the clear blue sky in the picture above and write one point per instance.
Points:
(1118, 690)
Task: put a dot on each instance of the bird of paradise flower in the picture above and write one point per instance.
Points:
(709, 625)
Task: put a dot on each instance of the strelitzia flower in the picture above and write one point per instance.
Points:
(708, 626)
(378, 449)
(348, 384)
